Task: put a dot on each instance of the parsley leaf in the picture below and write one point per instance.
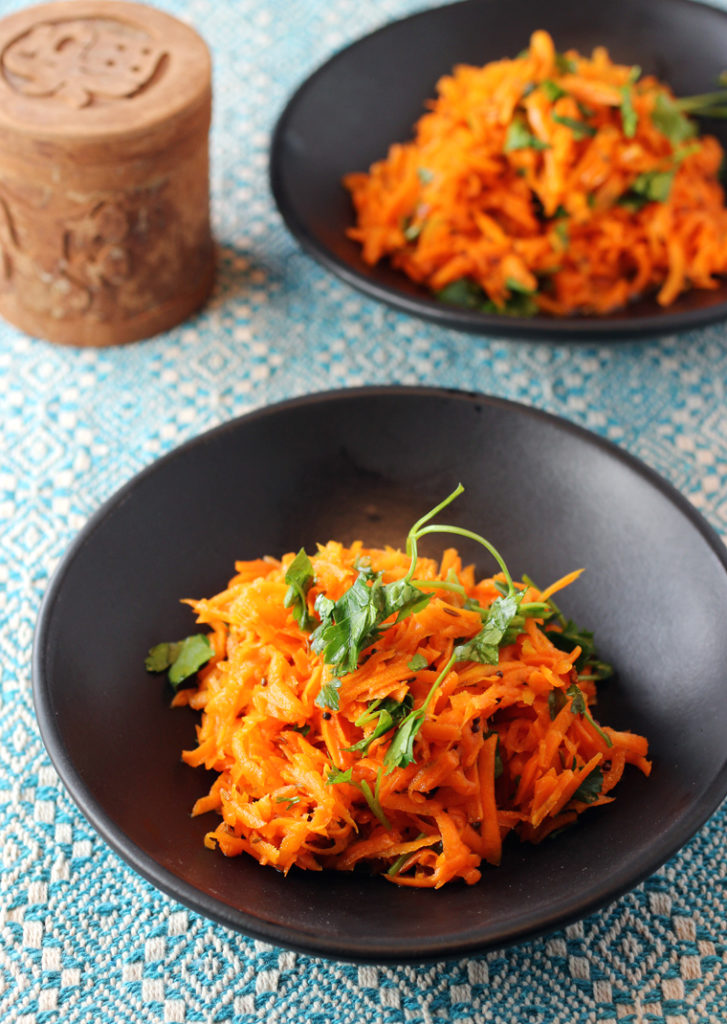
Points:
(484, 647)
(401, 748)
(337, 775)
(629, 117)
(299, 577)
(570, 636)
(417, 662)
(565, 65)
(650, 187)
(579, 707)
(289, 801)
(580, 129)
(183, 658)
(466, 293)
(590, 789)
(328, 696)
(670, 120)
(389, 713)
(556, 702)
(552, 90)
(519, 136)
(351, 624)
(517, 286)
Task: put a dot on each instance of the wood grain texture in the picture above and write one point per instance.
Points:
(104, 171)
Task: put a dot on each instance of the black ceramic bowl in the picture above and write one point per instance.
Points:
(349, 112)
(367, 463)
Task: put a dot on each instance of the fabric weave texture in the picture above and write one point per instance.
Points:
(82, 937)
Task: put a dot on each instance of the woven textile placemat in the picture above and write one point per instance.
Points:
(82, 937)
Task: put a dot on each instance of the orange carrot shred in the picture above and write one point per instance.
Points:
(297, 785)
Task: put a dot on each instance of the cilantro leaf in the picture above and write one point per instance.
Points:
(590, 788)
(519, 136)
(580, 129)
(183, 658)
(299, 577)
(670, 120)
(417, 662)
(337, 775)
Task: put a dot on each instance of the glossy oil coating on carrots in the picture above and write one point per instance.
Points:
(502, 747)
(551, 183)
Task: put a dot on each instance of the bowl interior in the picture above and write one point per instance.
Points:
(366, 464)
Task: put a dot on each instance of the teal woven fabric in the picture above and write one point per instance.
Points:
(82, 937)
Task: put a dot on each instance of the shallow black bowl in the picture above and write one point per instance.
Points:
(349, 112)
(366, 463)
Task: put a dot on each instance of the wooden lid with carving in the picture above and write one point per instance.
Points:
(104, 171)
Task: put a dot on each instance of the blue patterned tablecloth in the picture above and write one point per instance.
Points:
(83, 938)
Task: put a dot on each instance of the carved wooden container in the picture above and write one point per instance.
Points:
(104, 171)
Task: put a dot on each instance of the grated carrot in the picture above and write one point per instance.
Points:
(520, 182)
(491, 757)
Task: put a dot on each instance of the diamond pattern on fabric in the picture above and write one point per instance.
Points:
(83, 940)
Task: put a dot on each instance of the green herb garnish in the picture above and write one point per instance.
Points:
(352, 623)
(552, 90)
(417, 662)
(580, 129)
(389, 714)
(467, 294)
(579, 707)
(668, 118)
(650, 187)
(337, 776)
(519, 136)
(328, 696)
(629, 117)
(182, 658)
(299, 577)
(566, 65)
(590, 789)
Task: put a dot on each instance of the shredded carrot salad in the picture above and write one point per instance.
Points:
(303, 773)
(549, 183)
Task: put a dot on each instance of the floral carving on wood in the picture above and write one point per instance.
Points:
(82, 62)
(109, 259)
